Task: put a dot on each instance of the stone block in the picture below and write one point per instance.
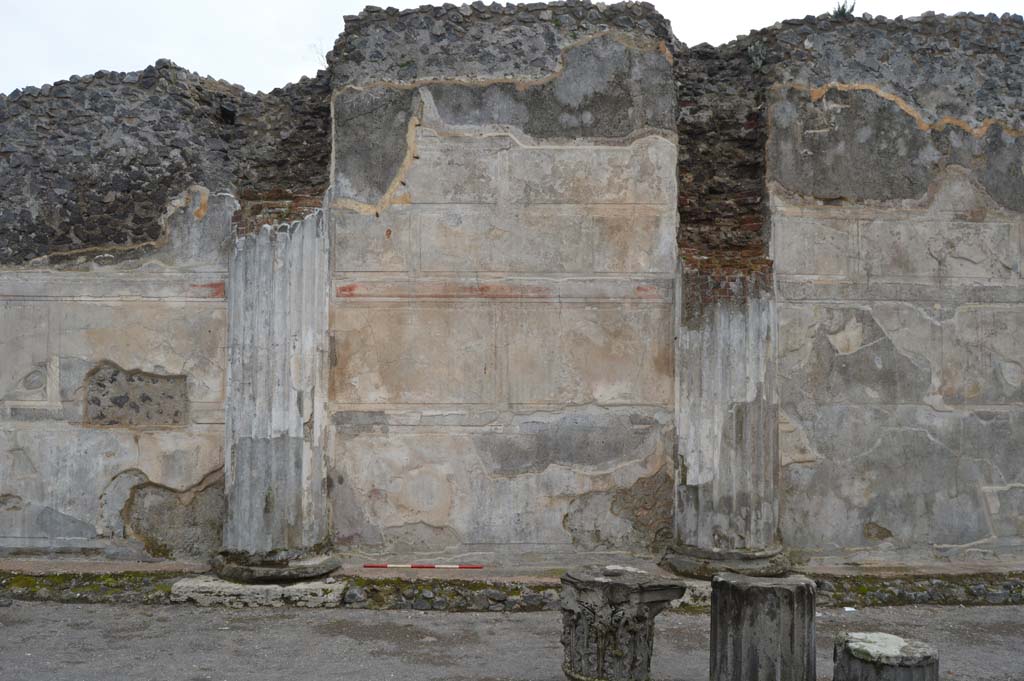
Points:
(634, 239)
(382, 242)
(207, 591)
(940, 248)
(460, 169)
(24, 346)
(996, 436)
(598, 353)
(859, 490)
(855, 354)
(171, 338)
(482, 238)
(762, 629)
(982, 356)
(883, 657)
(544, 238)
(567, 477)
(66, 477)
(814, 246)
(428, 353)
(643, 172)
(1005, 505)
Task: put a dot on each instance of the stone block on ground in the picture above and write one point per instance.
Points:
(762, 629)
(206, 590)
(874, 656)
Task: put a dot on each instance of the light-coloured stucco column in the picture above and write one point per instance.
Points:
(727, 476)
(275, 422)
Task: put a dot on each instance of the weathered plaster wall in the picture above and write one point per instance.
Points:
(896, 176)
(513, 357)
(111, 396)
(120, 194)
(503, 200)
(879, 164)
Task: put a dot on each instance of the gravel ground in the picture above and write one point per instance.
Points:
(106, 642)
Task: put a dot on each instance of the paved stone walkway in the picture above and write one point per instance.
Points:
(171, 643)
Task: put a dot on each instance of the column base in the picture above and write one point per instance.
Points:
(280, 566)
(704, 564)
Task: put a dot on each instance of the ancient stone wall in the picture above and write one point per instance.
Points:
(117, 197)
(111, 379)
(574, 267)
(897, 200)
(867, 174)
(503, 201)
(120, 194)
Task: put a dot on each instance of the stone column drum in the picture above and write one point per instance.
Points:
(726, 505)
(875, 656)
(762, 629)
(275, 425)
(608, 622)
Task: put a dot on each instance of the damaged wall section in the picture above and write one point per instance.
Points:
(895, 172)
(887, 157)
(110, 381)
(116, 397)
(89, 165)
(504, 217)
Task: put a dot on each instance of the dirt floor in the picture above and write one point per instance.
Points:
(106, 642)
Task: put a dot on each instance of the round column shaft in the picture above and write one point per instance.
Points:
(762, 629)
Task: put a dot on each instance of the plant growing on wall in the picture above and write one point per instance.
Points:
(843, 11)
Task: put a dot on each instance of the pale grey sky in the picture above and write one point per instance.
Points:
(262, 44)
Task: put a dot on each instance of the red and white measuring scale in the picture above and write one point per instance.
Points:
(425, 566)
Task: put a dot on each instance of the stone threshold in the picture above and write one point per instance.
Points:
(500, 587)
(508, 588)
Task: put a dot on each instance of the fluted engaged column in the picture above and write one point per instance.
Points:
(727, 475)
(275, 423)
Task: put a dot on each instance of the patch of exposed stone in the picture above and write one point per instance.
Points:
(966, 68)
(481, 40)
(177, 523)
(121, 588)
(647, 504)
(90, 163)
(975, 589)
(118, 397)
